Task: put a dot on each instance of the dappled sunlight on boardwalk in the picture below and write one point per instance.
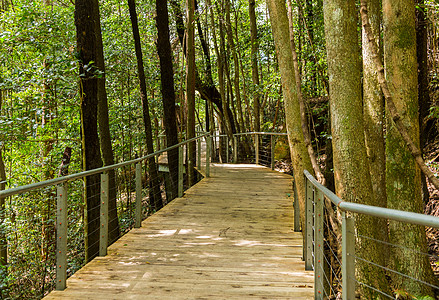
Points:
(230, 237)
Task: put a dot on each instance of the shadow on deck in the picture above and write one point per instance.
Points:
(230, 237)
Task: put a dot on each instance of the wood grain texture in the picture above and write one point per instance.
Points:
(230, 237)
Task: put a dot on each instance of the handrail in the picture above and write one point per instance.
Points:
(314, 233)
(42, 184)
(62, 196)
(261, 133)
(375, 211)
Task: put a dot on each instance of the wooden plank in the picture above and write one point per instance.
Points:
(230, 237)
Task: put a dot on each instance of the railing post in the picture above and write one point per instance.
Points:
(308, 225)
(235, 149)
(318, 245)
(61, 234)
(138, 210)
(348, 257)
(103, 234)
(208, 152)
(296, 209)
(199, 153)
(180, 171)
(257, 148)
(272, 151)
(227, 149)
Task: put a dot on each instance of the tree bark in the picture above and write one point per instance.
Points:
(391, 107)
(86, 48)
(167, 89)
(427, 127)
(303, 118)
(374, 109)
(154, 183)
(240, 116)
(104, 132)
(299, 155)
(254, 60)
(404, 189)
(352, 178)
(190, 89)
(3, 241)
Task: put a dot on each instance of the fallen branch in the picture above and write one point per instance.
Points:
(396, 117)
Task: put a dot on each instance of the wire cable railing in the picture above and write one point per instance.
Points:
(42, 224)
(336, 270)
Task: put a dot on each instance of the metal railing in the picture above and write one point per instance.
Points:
(263, 144)
(316, 241)
(63, 219)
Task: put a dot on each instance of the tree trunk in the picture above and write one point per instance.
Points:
(240, 116)
(374, 110)
(427, 128)
(254, 60)
(104, 132)
(168, 92)
(3, 241)
(190, 89)
(404, 189)
(91, 157)
(154, 183)
(207, 90)
(303, 118)
(299, 155)
(426, 125)
(352, 178)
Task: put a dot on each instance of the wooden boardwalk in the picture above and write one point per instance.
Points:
(230, 237)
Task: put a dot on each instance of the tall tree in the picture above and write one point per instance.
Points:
(207, 90)
(426, 127)
(104, 131)
(303, 117)
(190, 88)
(254, 61)
(373, 109)
(91, 157)
(299, 155)
(230, 39)
(352, 178)
(403, 176)
(154, 183)
(208, 68)
(168, 92)
(3, 241)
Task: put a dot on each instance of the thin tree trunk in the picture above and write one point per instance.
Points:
(303, 118)
(190, 89)
(374, 110)
(254, 61)
(86, 45)
(154, 183)
(207, 91)
(3, 241)
(299, 155)
(240, 116)
(168, 92)
(423, 82)
(104, 133)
